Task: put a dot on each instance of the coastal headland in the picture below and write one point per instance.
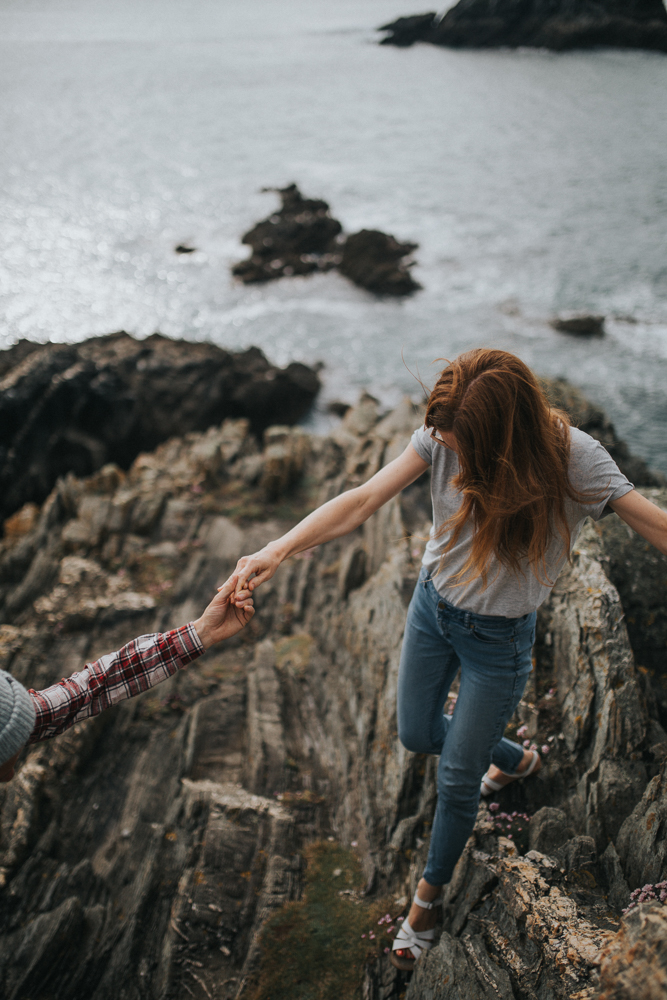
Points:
(568, 24)
(167, 848)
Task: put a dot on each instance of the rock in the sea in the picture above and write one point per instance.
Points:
(302, 238)
(580, 325)
(379, 263)
(75, 407)
(550, 24)
(405, 31)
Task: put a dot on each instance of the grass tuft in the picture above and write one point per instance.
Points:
(313, 949)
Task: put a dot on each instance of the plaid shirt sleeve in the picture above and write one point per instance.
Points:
(135, 668)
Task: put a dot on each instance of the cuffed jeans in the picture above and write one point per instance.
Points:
(494, 654)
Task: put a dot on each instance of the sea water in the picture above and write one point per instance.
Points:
(534, 183)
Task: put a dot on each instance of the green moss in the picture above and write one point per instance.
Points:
(313, 949)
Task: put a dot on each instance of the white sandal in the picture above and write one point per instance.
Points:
(411, 940)
(489, 786)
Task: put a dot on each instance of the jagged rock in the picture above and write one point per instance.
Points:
(560, 25)
(405, 31)
(548, 829)
(641, 843)
(583, 326)
(618, 890)
(148, 847)
(459, 969)
(298, 239)
(634, 964)
(379, 263)
(302, 237)
(77, 407)
(639, 572)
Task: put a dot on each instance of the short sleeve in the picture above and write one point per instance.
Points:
(593, 471)
(423, 443)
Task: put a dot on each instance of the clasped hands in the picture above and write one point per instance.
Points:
(232, 607)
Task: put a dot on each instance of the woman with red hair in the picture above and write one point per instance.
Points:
(511, 484)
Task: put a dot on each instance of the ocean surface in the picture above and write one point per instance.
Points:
(534, 183)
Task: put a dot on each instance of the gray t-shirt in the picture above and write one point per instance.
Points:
(507, 593)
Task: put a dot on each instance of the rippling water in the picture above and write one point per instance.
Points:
(533, 183)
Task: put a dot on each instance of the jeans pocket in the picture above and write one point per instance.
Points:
(490, 636)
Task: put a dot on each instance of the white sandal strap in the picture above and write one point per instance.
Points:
(494, 786)
(416, 941)
(428, 906)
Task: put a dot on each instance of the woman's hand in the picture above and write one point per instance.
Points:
(253, 570)
(226, 614)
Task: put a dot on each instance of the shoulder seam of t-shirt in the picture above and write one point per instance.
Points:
(422, 442)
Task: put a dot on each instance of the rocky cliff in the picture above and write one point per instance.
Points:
(550, 24)
(163, 850)
(75, 407)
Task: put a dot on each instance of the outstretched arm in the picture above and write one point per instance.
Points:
(332, 520)
(644, 517)
(140, 665)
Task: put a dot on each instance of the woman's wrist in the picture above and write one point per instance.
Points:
(278, 550)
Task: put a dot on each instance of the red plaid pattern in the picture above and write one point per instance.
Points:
(140, 665)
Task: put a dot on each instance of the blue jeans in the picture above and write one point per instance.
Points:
(494, 654)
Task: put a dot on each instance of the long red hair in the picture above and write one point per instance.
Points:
(513, 451)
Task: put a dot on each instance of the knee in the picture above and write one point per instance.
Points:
(414, 739)
(460, 789)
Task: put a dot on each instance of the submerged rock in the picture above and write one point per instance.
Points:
(559, 25)
(581, 325)
(302, 238)
(75, 407)
(144, 851)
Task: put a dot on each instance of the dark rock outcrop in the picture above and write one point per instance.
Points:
(378, 262)
(75, 407)
(551, 24)
(144, 851)
(580, 325)
(302, 237)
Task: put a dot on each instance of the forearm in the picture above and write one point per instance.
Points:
(644, 517)
(333, 519)
(134, 668)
